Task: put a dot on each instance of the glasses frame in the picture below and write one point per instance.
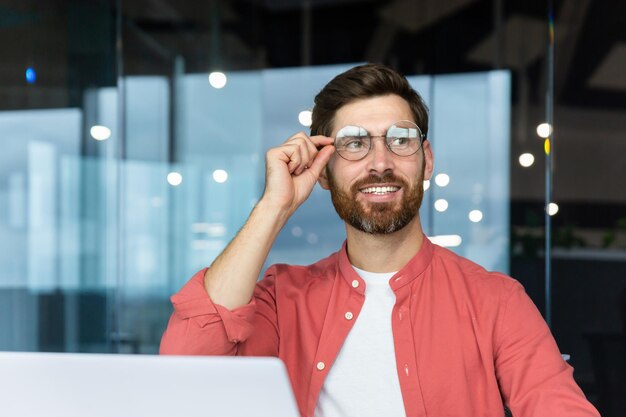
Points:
(422, 138)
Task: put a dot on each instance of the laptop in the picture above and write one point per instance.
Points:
(98, 385)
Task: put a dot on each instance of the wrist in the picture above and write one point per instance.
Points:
(270, 210)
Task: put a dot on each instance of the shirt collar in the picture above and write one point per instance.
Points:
(413, 269)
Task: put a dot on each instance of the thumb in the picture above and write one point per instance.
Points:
(321, 159)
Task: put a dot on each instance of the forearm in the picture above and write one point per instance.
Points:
(231, 279)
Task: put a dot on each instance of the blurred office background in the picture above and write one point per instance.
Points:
(133, 133)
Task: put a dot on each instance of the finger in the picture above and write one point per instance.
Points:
(314, 143)
(312, 148)
(299, 156)
(306, 149)
(314, 155)
(287, 154)
(295, 158)
(321, 160)
(306, 153)
(297, 136)
(309, 153)
(319, 141)
(300, 151)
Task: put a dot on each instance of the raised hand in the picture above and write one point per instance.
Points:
(292, 169)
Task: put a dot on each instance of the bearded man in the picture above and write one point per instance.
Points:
(391, 324)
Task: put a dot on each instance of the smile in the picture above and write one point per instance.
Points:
(380, 190)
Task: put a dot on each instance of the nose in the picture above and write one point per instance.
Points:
(380, 158)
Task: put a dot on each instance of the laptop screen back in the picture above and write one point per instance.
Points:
(79, 385)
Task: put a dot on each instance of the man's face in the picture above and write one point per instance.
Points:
(381, 193)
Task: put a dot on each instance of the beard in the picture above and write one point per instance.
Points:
(377, 218)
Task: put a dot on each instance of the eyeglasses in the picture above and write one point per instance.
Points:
(403, 138)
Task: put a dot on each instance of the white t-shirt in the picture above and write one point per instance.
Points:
(363, 381)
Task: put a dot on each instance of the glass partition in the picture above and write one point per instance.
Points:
(107, 240)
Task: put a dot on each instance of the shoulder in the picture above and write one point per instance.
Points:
(295, 275)
(462, 271)
(484, 295)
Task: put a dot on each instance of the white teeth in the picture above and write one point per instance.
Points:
(380, 190)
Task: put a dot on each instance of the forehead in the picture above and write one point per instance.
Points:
(374, 114)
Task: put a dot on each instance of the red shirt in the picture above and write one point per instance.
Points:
(465, 339)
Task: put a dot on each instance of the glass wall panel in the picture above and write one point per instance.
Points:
(470, 188)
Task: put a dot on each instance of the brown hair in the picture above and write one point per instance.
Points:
(364, 81)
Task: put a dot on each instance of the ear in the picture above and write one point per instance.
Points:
(429, 160)
(323, 178)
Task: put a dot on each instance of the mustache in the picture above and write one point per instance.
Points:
(377, 179)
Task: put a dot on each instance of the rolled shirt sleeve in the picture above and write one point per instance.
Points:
(198, 326)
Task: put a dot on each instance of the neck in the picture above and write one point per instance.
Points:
(384, 252)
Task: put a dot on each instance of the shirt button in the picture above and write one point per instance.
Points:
(355, 283)
(349, 315)
(321, 366)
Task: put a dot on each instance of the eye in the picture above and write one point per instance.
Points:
(399, 141)
(354, 143)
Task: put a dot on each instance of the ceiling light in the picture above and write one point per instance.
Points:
(220, 176)
(217, 79)
(475, 216)
(544, 130)
(305, 118)
(174, 178)
(553, 208)
(442, 180)
(441, 205)
(526, 159)
(100, 132)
